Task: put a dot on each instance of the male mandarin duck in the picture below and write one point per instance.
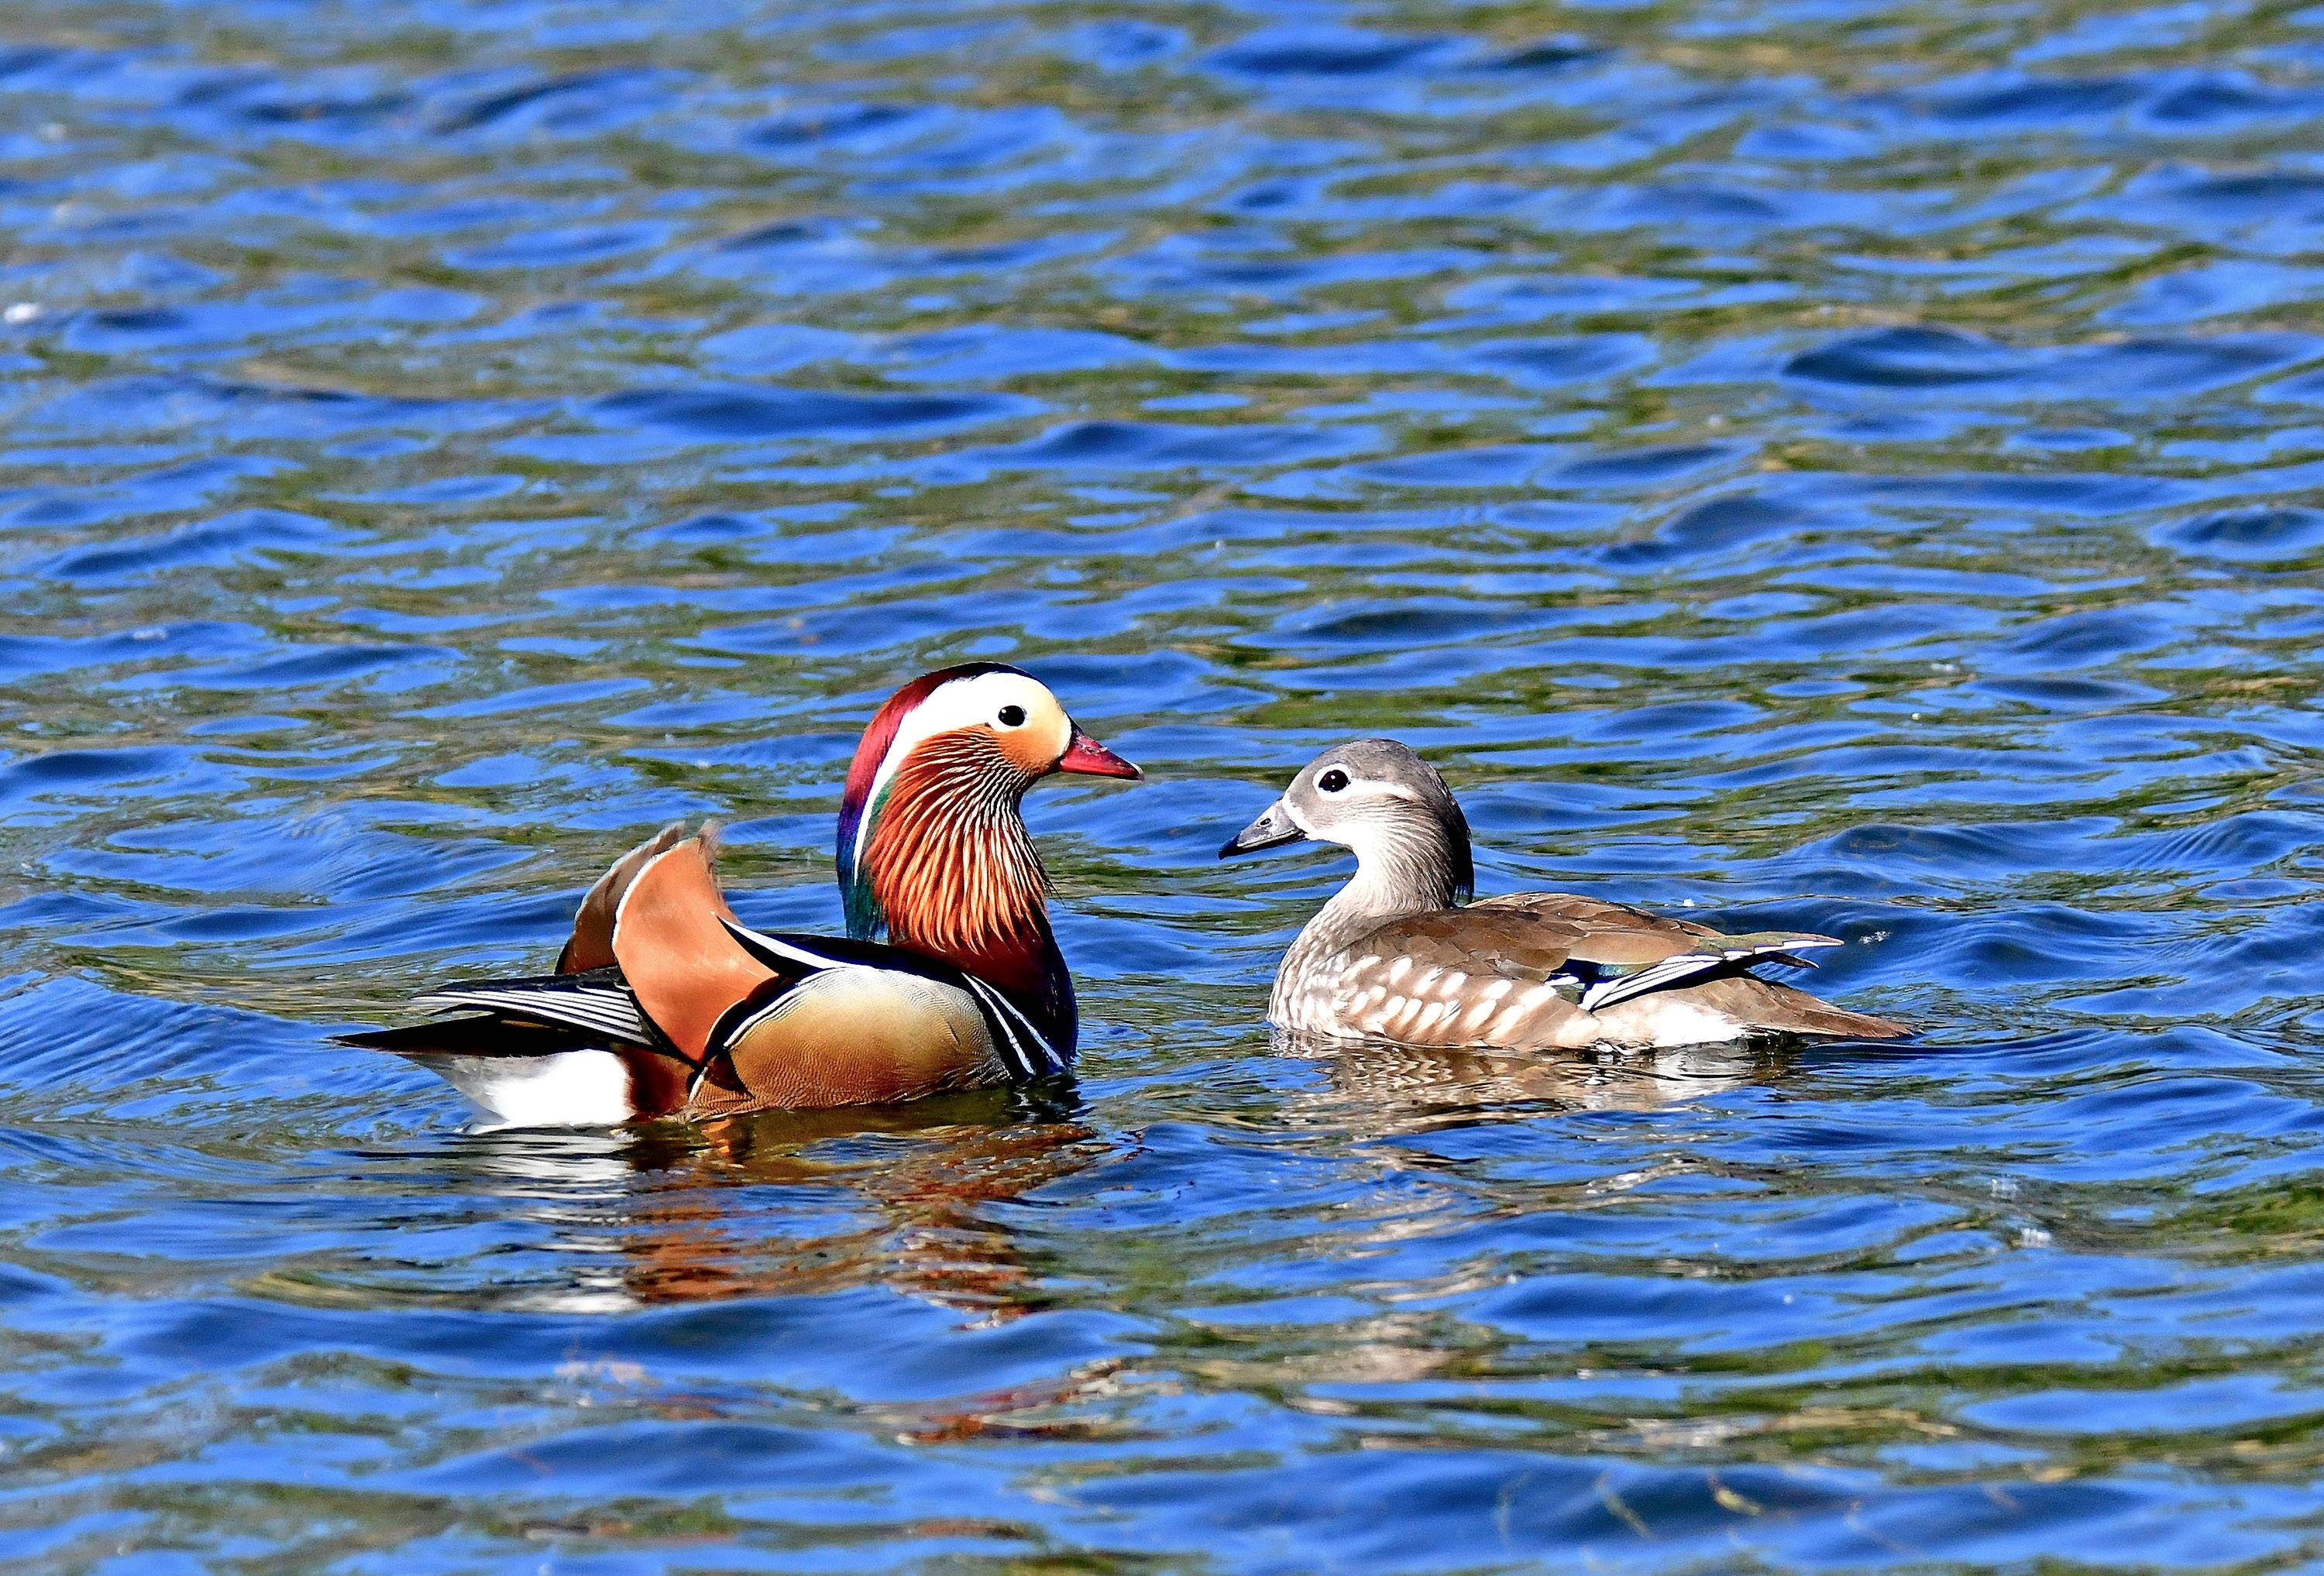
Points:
(1392, 957)
(949, 976)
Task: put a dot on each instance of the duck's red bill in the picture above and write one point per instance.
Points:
(1091, 759)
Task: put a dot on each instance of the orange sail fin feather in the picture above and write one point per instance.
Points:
(592, 946)
(664, 1004)
(685, 968)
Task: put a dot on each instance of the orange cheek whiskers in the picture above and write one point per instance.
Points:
(951, 865)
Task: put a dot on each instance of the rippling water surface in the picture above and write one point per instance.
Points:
(1831, 463)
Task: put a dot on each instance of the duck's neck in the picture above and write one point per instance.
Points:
(950, 871)
(1410, 868)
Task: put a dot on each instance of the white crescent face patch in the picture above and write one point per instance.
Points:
(967, 702)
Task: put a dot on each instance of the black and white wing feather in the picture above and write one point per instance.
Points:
(597, 1002)
(1720, 953)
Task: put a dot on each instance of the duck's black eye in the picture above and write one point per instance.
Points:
(1333, 781)
(1012, 716)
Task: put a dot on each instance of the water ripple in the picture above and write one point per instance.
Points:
(1848, 467)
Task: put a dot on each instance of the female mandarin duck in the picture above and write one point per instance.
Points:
(1391, 957)
(663, 1003)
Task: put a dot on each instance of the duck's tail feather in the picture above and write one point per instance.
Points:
(1806, 1015)
(1764, 1007)
(470, 1036)
(534, 1075)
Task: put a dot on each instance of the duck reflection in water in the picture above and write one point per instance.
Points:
(891, 1195)
(1380, 1089)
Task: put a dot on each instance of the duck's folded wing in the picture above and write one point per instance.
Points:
(1619, 975)
(782, 1020)
(638, 1020)
(1532, 971)
(1587, 914)
(1613, 952)
(891, 1020)
(561, 1050)
(599, 1002)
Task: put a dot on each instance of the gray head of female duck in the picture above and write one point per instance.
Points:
(1376, 798)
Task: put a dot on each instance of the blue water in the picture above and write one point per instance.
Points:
(1852, 466)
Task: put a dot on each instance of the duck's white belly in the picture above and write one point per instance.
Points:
(1666, 1018)
(565, 1089)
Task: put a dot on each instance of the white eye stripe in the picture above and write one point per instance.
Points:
(957, 702)
(1369, 788)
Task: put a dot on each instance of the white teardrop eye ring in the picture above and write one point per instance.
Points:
(1012, 716)
(1333, 781)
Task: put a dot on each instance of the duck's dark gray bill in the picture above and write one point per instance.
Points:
(1271, 830)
